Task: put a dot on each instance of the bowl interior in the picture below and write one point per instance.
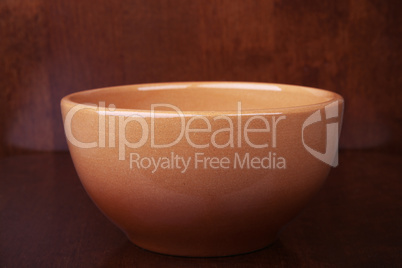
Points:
(206, 96)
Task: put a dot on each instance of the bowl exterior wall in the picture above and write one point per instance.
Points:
(176, 189)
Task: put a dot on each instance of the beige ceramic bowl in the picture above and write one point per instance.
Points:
(202, 168)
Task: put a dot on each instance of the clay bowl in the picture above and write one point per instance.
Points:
(202, 168)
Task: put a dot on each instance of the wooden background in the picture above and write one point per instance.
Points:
(49, 48)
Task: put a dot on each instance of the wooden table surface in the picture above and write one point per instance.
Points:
(47, 220)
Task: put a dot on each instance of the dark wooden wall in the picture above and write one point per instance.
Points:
(49, 48)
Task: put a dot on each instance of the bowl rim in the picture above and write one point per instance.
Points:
(67, 100)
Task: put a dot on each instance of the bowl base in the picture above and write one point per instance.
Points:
(193, 251)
